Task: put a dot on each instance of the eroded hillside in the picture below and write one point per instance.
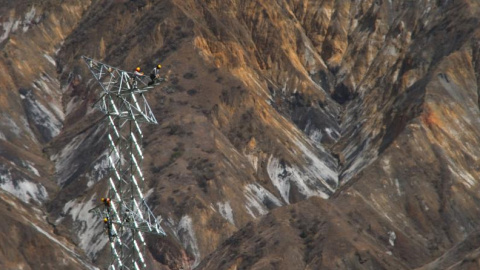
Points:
(368, 108)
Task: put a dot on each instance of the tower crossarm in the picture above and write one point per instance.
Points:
(122, 92)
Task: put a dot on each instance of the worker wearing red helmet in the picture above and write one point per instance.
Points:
(138, 72)
(106, 201)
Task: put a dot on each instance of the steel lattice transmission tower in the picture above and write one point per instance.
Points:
(125, 213)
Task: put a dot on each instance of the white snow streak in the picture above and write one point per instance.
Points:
(53, 125)
(65, 158)
(88, 227)
(225, 210)
(21, 188)
(316, 136)
(72, 104)
(32, 168)
(9, 124)
(51, 87)
(12, 25)
(469, 180)
(44, 118)
(259, 200)
(25, 190)
(316, 166)
(50, 59)
(253, 160)
(280, 177)
(7, 28)
(28, 19)
(391, 238)
(386, 166)
(186, 234)
(101, 168)
(332, 133)
(397, 184)
(362, 160)
(311, 181)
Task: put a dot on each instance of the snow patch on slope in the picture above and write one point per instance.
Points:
(18, 127)
(360, 156)
(30, 166)
(310, 181)
(253, 161)
(101, 168)
(391, 238)
(51, 87)
(318, 168)
(332, 133)
(41, 116)
(47, 123)
(50, 59)
(279, 174)
(28, 19)
(8, 27)
(315, 135)
(226, 211)
(468, 179)
(21, 188)
(185, 233)
(72, 157)
(9, 124)
(89, 228)
(72, 104)
(259, 200)
(12, 25)
(65, 158)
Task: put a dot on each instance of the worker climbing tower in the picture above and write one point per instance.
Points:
(125, 213)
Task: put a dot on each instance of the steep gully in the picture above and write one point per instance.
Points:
(32, 114)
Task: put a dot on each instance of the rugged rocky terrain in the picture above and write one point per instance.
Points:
(292, 134)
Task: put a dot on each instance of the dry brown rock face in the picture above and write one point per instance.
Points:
(292, 134)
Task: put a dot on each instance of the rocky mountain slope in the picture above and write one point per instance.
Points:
(292, 134)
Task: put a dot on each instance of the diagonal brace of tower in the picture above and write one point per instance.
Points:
(126, 213)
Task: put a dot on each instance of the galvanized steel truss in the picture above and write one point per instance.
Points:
(123, 102)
